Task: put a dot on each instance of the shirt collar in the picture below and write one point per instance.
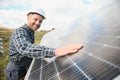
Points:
(29, 30)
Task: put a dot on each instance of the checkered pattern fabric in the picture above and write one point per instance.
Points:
(22, 46)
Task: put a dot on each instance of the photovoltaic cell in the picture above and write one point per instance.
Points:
(48, 71)
(62, 63)
(99, 59)
(72, 73)
(97, 69)
(54, 78)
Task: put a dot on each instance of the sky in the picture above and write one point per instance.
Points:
(58, 12)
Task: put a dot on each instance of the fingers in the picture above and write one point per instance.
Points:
(73, 51)
(68, 50)
(77, 46)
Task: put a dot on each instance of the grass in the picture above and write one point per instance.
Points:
(5, 35)
(5, 59)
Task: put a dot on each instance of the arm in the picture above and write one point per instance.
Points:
(25, 47)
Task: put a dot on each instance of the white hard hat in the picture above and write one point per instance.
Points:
(38, 11)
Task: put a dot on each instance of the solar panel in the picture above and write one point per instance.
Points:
(99, 31)
(1, 46)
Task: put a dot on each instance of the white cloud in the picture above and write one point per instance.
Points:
(57, 11)
(12, 18)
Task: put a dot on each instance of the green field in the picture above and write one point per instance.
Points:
(5, 35)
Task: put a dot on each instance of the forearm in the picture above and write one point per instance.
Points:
(26, 48)
(36, 51)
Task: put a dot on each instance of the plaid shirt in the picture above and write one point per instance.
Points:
(22, 49)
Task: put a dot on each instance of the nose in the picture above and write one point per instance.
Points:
(37, 22)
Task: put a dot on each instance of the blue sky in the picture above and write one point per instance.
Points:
(58, 12)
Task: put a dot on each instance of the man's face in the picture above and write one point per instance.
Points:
(34, 21)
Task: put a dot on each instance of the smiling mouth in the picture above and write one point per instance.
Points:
(36, 26)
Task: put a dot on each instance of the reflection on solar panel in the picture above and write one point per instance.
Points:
(98, 60)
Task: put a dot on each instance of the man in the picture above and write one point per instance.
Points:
(22, 48)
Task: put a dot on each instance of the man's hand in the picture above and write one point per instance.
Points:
(68, 50)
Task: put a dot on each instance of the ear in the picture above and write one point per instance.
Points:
(29, 16)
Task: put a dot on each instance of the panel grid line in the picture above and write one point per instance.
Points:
(116, 66)
(56, 70)
(80, 69)
(41, 69)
